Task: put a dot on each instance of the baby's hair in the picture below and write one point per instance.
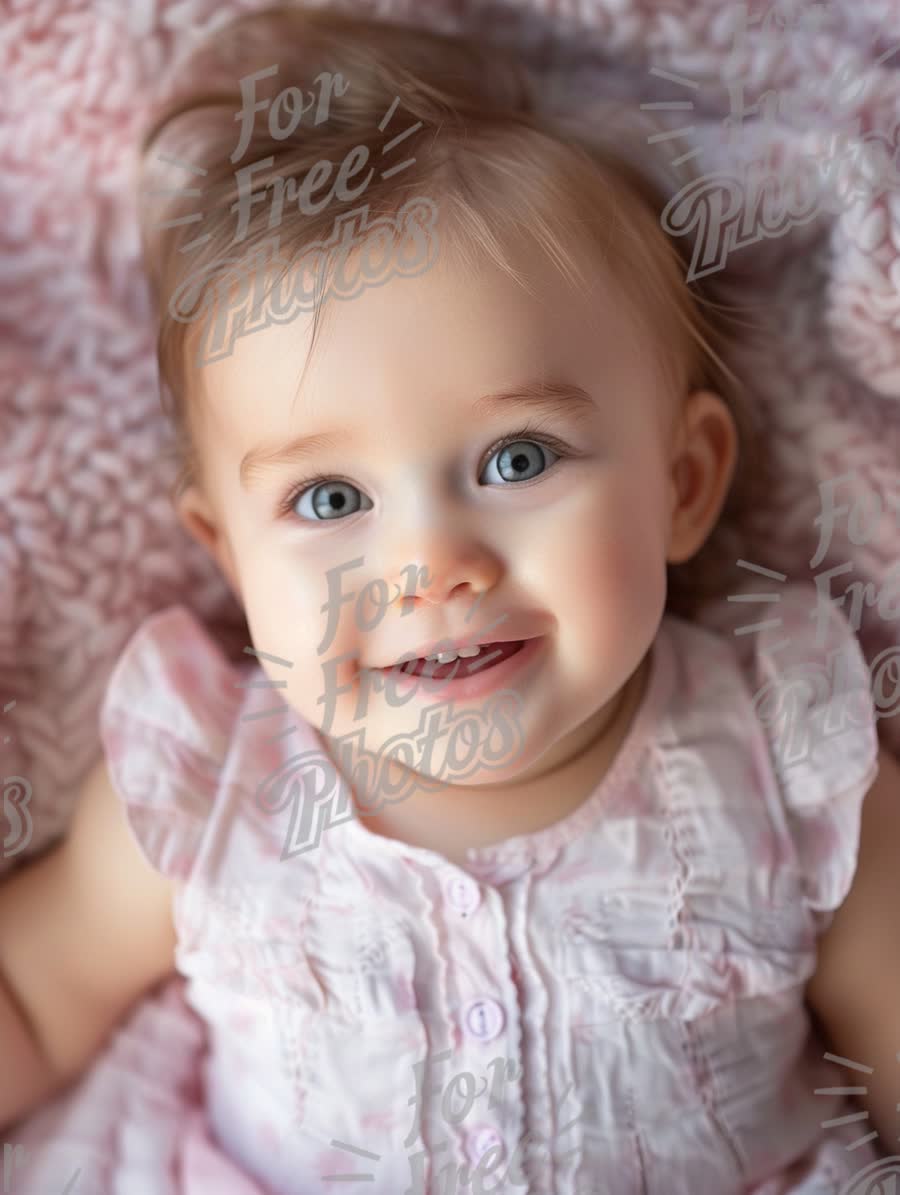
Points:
(502, 172)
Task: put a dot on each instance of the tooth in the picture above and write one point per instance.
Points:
(446, 657)
(468, 652)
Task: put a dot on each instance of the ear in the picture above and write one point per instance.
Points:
(196, 515)
(703, 464)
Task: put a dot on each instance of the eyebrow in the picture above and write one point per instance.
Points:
(541, 397)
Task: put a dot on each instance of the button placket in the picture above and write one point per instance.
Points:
(482, 1019)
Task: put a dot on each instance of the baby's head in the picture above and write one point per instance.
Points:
(498, 413)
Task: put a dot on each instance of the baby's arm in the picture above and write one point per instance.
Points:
(855, 992)
(84, 931)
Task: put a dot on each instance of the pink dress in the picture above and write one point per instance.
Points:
(613, 1004)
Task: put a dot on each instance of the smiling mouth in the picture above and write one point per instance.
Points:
(488, 657)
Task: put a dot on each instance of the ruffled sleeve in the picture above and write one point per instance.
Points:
(166, 723)
(813, 696)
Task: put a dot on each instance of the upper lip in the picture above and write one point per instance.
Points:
(507, 632)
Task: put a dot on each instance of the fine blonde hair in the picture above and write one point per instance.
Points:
(498, 168)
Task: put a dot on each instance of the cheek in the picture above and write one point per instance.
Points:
(608, 571)
(283, 605)
(617, 582)
(294, 607)
(617, 530)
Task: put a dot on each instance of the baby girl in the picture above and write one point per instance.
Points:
(490, 868)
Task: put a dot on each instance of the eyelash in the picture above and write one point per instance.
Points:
(529, 432)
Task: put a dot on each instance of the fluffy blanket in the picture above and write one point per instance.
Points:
(89, 544)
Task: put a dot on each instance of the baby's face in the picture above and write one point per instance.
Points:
(560, 541)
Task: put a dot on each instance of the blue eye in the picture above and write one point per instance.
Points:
(328, 501)
(519, 457)
(520, 460)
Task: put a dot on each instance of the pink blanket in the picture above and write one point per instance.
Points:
(88, 542)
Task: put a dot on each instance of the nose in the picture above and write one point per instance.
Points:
(447, 567)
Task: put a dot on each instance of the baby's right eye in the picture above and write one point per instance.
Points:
(326, 501)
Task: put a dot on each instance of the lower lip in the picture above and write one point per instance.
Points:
(477, 685)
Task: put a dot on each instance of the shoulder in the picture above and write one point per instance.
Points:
(858, 964)
(172, 674)
(167, 723)
(812, 693)
(212, 766)
(801, 703)
(790, 663)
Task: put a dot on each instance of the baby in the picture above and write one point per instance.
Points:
(491, 870)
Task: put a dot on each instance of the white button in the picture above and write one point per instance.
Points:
(482, 1139)
(483, 1019)
(464, 894)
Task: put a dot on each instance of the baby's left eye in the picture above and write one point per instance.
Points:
(519, 460)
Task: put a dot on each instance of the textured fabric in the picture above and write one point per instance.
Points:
(625, 985)
(89, 544)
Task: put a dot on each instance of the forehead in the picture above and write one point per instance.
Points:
(413, 347)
